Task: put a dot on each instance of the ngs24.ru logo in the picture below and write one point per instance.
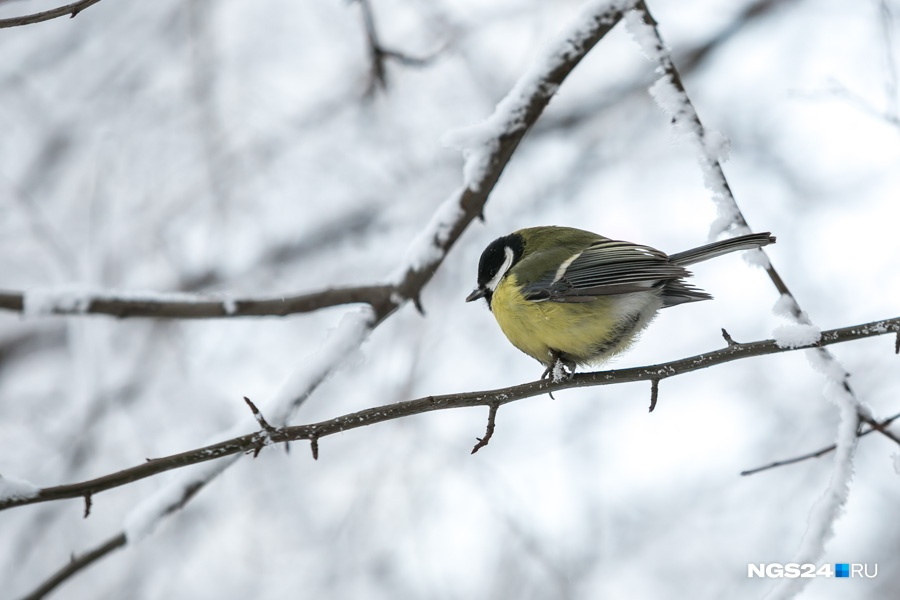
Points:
(793, 570)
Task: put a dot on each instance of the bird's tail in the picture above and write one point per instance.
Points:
(744, 242)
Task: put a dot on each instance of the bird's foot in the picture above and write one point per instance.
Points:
(561, 369)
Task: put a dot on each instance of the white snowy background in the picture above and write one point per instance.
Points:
(236, 148)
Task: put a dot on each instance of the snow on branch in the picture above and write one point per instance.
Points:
(669, 92)
(16, 489)
(488, 147)
(480, 143)
(250, 443)
(670, 95)
(527, 101)
(175, 305)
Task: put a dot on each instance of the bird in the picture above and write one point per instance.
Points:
(569, 297)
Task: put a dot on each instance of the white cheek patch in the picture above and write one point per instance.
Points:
(495, 280)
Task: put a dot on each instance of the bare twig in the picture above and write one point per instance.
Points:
(427, 404)
(378, 53)
(879, 427)
(819, 452)
(69, 9)
(489, 432)
(75, 565)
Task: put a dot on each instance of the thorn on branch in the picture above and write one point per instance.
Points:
(489, 432)
(728, 339)
(259, 417)
(417, 302)
(654, 392)
(269, 430)
(314, 446)
(259, 446)
(87, 505)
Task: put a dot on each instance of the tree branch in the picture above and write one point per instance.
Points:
(493, 398)
(379, 54)
(78, 563)
(671, 95)
(69, 9)
(820, 451)
(185, 306)
(526, 102)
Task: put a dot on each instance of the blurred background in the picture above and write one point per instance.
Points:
(256, 148)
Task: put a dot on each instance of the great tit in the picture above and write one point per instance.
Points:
(568, 296)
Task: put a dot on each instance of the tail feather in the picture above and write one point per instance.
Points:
(744, 242)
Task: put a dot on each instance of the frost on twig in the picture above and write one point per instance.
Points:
(264, 439)
(259, 416)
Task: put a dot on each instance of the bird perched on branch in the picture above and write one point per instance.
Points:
(570, 297)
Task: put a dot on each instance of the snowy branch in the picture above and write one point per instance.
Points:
(511, 120)
(69, 9)
(669, 92)
(488, 148)
(189, 306)
(250, 443)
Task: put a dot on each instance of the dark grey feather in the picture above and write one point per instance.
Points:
(605, 268)
(744, 242)
(610, 267)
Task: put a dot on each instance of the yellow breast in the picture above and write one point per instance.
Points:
(584, 332)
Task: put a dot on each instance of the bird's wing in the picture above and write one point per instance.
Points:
(605, 268)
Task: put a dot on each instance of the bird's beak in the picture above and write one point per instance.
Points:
(475, 295)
